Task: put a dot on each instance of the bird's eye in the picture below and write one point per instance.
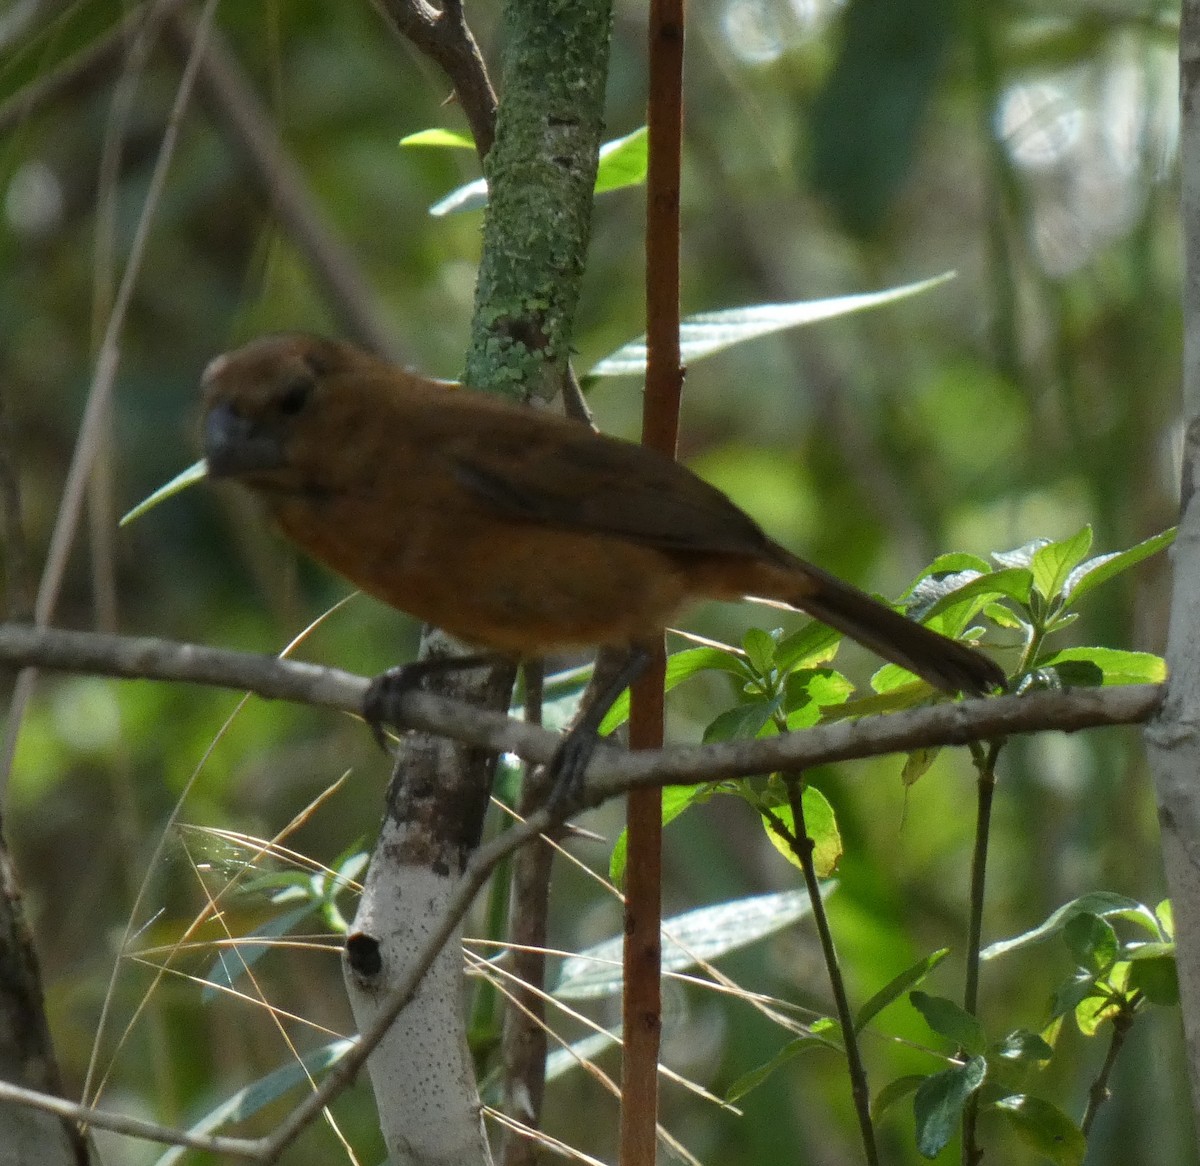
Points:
(295, 396)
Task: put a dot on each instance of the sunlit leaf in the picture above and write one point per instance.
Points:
(1103, 903)
(1091, 574)
(710, 332)
(1090, 667)
(181, 481)
(622, 162)
(436, 136)
(820, 823)
(1054, 561)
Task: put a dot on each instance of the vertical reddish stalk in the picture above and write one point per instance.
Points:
(660, 430)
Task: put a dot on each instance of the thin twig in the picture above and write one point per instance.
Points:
(985, 762)
(1098, 1094)
(444, 37)
(802, 846)
(135, 1127)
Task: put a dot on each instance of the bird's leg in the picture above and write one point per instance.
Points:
(570, 760)
(387, 689)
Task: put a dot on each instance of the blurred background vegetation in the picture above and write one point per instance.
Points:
(830, 148)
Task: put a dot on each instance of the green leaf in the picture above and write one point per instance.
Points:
(675, 799)
(1071, 993)
(743, 722)
(951, 1021)
(1054, 561)
(1105, 1002)
(1099, 570)
(256, 1096)
(809, 692)
(917, 764)
(1107, 666)
(1157, 978)
(1044, 1128)
(755, 1077)
(707, 333)
(821, 825)
(623, 161)
(1092, 942)
(1023, 1047)
(436, 136)
(760, 650)
(813, 645)
(1103, 903)
(897, 986)
(181, 481)
(696, 936)
(939, 1102)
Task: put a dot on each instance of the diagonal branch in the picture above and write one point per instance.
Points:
(443, 36)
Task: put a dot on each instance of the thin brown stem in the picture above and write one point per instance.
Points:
(1098, 1094)
(802, 846)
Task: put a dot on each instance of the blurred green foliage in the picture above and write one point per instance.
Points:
(1028, 147)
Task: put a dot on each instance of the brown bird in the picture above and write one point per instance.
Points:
(516, 530)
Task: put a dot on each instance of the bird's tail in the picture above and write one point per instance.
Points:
(949, 665)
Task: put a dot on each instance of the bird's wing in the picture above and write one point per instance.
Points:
(547, 473)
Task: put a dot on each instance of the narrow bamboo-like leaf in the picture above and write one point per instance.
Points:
(1055, 561)
(562, 1061)
(710, 332)
(1099, 570)
(755, 1077)
(181, 481)
(895, 1091)
(950, 1020)
(703, 934)
(256, 1096)
(435, 136)
(1044, 1128)
(897, 986)
(1106, 904)
(939, 1102)
(233, 963)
